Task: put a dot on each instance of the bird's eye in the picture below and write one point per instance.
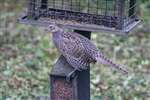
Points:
(50, 26)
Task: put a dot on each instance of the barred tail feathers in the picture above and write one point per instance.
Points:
(104, 60)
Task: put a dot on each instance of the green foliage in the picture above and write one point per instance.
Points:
(27, 55)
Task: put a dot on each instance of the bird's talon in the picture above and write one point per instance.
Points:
(70, 75)
(68, 78)
(79, 69)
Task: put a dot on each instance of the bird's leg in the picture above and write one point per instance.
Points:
(70, 75)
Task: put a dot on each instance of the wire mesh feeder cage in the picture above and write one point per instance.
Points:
(89, 15)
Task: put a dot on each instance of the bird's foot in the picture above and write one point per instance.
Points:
(70, 75)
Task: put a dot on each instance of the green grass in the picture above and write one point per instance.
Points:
(27, 55)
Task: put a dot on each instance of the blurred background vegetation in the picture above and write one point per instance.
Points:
(27, 55)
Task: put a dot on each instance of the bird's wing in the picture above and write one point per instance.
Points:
(72, 48)
(77, 63)
(90, 49)
(93, 52)
(71, 45)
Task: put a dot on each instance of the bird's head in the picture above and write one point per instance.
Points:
(53, 28)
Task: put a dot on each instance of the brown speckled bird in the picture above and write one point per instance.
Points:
(78, 50)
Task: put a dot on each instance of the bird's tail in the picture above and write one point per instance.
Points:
(104, 60)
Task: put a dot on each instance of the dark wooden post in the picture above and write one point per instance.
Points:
(60, 88)
(83, 81)
(78, 88)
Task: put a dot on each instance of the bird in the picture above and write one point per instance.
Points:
(79, 51)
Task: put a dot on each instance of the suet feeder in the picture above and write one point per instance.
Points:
(90, 15)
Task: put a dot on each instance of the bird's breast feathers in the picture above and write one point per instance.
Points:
(70, 45)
